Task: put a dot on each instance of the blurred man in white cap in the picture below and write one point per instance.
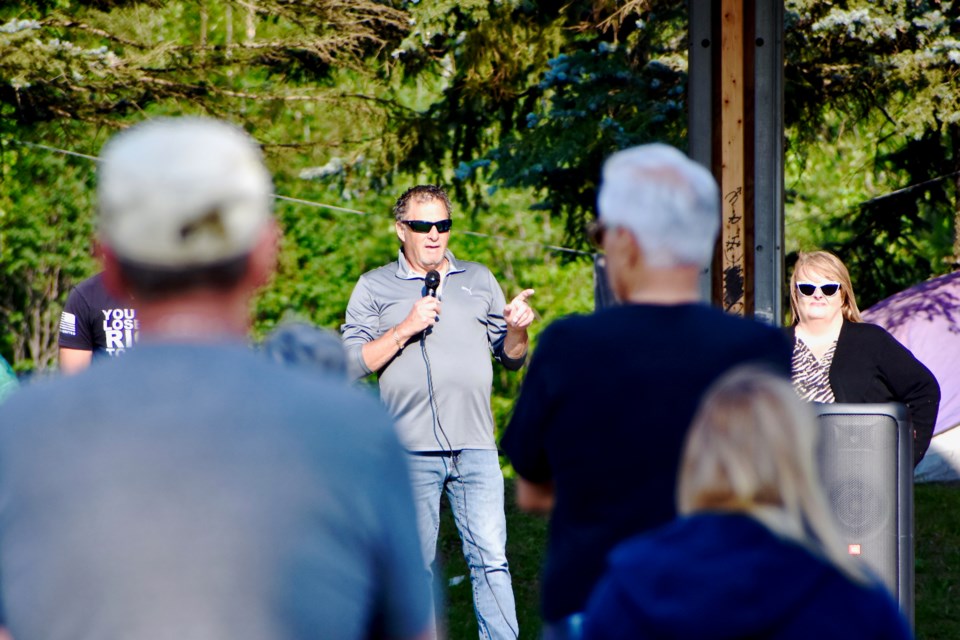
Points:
(597, 431)
(193, 489)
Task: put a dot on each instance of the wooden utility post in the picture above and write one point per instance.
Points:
(735, 273)
(736, 130)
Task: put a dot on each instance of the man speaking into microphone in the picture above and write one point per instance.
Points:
(426, 324)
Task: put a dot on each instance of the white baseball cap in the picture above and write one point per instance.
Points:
(182, 192)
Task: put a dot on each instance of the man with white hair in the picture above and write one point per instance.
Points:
(192, 488)
(597, 431)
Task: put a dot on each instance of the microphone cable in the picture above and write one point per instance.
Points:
(438, 426)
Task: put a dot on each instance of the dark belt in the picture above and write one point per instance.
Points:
(436, 454)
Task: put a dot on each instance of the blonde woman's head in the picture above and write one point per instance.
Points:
(823, 264)
(752, 449)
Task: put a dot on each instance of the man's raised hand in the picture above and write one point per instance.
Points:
(518, 314)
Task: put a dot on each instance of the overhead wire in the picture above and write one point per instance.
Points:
(478, 234)
(331, 207)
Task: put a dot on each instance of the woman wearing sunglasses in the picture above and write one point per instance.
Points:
(839, 358)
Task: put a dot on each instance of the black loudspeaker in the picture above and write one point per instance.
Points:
(866, 461)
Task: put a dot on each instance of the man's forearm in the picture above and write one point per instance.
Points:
(377, 353)
(515, 343)
(74, 360)
(535, 497)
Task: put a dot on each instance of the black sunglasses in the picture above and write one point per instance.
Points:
(829, 289)
(424, 226)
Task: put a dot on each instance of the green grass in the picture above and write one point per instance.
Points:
(937, 544)
(936, 533)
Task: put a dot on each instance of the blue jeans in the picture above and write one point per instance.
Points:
(474, 485)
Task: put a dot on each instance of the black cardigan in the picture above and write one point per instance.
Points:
(869, 365)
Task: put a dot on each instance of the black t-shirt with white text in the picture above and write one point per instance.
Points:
(93, 320)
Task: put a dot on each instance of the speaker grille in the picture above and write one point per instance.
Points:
(858, 460)
(858, 506)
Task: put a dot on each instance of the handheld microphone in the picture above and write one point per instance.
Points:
(431, 281)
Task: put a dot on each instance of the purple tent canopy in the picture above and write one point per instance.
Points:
(926, 319)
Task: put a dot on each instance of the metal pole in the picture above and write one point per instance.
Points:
(768, 172)
(700, 98)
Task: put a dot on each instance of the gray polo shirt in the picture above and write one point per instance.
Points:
(453, 357)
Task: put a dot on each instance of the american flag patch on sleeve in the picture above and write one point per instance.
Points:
(68, 324)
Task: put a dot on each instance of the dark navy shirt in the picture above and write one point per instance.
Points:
(603, 414)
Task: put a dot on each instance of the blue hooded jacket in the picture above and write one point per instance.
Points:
(723, 576)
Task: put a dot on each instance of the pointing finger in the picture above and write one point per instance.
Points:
(522, 296)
